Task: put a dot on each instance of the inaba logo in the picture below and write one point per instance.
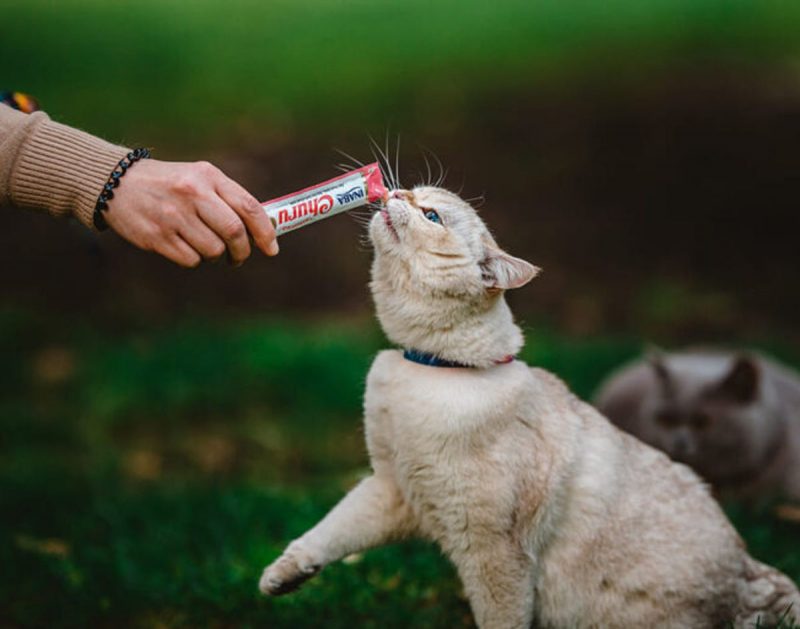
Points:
(353, 194)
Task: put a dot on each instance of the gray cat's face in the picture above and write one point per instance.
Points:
(711, 420)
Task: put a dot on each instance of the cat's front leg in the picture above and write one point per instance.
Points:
(498, 581)
(295, 566)
(373, 513)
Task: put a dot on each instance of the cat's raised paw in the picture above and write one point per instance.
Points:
(287, 573)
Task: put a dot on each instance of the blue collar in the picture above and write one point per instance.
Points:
(424, 358)
(431, 360)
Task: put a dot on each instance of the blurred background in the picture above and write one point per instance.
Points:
(165, 432)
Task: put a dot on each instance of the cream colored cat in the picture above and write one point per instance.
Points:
(551, 515)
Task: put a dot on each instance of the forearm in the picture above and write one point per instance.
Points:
(372, 514)
(44, 164)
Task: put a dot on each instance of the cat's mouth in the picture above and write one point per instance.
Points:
(387, 218)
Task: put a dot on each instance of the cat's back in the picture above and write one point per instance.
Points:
(786, 381)
(622, 396)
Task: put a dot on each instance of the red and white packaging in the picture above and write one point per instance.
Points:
(340, 194)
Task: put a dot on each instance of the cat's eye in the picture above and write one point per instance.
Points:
(433, 216)
(668, 418)
(701, 420)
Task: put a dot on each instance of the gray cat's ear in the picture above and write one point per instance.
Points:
(655, 358)
(742, 381)
(502, 271)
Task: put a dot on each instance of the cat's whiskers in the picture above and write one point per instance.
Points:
(476, 202)
(343, 168)
(365, 244)
(362, 221)
(429, 178)
(358, 163)
(441, 178)
(397, 162)
(383, 160)
(442, 170)
(386, 153)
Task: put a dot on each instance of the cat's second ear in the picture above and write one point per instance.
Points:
(741, 382)
(502, 271)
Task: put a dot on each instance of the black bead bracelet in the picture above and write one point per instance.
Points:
(113, 181)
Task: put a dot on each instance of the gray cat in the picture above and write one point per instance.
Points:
(733, 417)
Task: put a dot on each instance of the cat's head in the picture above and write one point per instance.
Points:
(713, 413)
(438, 277)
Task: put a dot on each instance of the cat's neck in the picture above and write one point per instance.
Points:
(481, 336)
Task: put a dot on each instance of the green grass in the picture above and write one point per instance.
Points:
(147, 478)
(206, 71)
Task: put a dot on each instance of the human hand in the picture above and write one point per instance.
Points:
(188, 212)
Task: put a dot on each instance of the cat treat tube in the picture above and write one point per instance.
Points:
(340, 194)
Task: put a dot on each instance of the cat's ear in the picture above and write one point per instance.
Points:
(742, 381)
(502, 271)
(656, 360)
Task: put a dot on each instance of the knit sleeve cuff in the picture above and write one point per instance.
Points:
(63, 170)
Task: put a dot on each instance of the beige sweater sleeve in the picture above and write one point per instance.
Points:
(44, 164)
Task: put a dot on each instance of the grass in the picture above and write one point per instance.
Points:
(147, 478)
(205, 72)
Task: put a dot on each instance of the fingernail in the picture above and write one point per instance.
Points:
(273, 248)
(231, 261)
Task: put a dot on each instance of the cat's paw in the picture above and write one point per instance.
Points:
(288, 572)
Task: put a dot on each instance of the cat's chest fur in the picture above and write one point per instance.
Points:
(448, 437)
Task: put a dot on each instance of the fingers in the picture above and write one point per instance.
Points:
(202, 239)
(227, 225)
(187, 212)
(180, 252)
(251, 212)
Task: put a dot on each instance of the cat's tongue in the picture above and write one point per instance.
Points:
(340, 194)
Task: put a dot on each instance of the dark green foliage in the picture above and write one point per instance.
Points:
(202, 70)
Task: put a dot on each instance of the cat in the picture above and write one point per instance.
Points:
(733, 417)
(550, 514)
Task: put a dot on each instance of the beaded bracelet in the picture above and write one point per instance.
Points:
(113, 181)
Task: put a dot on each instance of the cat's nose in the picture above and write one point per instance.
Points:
(403, 195)
(682, 446)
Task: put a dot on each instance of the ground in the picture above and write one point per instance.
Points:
(147, 478)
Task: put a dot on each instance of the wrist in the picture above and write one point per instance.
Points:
(112, 183)
(62, 170)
